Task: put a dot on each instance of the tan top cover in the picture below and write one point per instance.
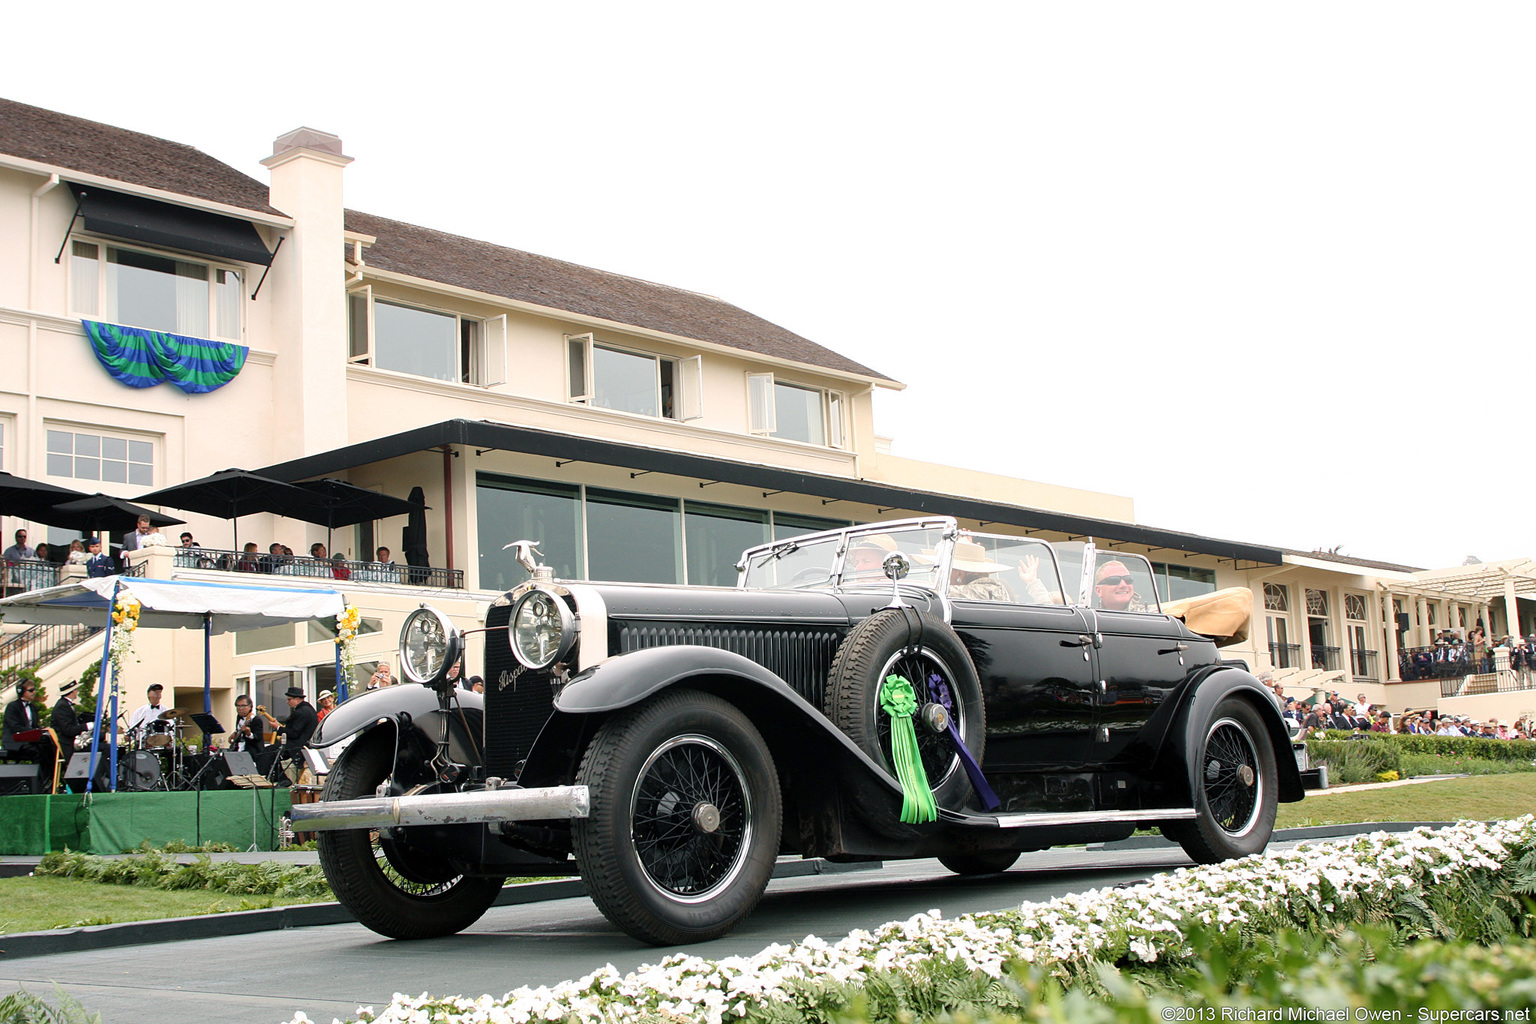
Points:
(1223, 615)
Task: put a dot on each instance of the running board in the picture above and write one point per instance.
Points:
(1047, 819)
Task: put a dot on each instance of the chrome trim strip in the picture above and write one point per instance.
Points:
(592, 619)
(1042, 819)
(474, 808)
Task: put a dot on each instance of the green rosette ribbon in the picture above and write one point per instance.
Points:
(898, 700)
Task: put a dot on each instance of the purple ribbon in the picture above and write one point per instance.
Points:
(938, 689)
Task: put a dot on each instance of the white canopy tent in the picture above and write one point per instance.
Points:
(168, 604)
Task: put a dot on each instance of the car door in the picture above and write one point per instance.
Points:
(1142, 659)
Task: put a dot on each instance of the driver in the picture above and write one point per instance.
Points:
(868, 554)
(1115, 590)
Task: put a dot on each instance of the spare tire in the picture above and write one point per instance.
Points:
(928, 654)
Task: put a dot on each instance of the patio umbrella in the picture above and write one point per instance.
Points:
(26, 499)
(338, 503)
(229, 495)
(413, 538)
(102, 513)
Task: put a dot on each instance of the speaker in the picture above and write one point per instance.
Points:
(80, 764)
(138, 771)
(222, 766)
(19, 780)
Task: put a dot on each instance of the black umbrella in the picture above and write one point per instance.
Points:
(103, 512)
(230, 495)
(338, 503)
(413, 538)
(29, 499)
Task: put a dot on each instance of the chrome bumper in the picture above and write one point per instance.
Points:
(443, 809)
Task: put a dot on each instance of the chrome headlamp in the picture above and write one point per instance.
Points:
(541, 630)
(428, 645)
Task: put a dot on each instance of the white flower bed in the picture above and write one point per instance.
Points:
(1142, 922)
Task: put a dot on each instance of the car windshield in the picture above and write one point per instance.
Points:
(850, 558)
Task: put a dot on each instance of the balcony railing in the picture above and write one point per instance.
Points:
(1444, 661)
(1508, 681)
(319, 568)
(1285, 655)
(1325, 658)
(36, 573)
(1363, 664)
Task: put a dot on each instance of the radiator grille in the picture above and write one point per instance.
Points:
(799, 656)
(517, 702)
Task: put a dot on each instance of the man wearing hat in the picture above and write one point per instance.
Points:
(66, 722)
(1114, 590)
(301, 725)
(98, 564)
(970, 574)
(146, 719)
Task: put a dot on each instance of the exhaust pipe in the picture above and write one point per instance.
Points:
(476, 808)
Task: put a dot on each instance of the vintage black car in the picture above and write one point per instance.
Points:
(669, 743)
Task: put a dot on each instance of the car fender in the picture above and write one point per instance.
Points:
(792, 726)
(1200, 700)
(419, 704)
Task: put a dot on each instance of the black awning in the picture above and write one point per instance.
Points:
(481, 434)
(169, 226)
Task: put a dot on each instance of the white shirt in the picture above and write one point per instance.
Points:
(147, 713)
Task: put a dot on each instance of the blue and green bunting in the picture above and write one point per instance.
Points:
(142, 359)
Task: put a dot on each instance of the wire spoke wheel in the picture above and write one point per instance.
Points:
(1233, 786)
(691, 817)
(929, 675)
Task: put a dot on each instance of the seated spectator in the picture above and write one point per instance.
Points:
(250, 559)
(382, 557)
(339, 568)
(77, 553)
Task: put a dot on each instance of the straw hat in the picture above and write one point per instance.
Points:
(972, 557)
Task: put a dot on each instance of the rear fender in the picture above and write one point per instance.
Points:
(418, 705)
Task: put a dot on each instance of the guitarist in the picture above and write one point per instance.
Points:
(301, 725)
(248, 728)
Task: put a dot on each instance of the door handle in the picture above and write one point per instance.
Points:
(1175, 649)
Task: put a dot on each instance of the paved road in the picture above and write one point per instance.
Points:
(329, 971)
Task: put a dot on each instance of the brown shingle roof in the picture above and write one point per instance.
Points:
(480, 266)
(76, 144)
(1365, 563)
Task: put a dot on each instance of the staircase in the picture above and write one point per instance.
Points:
(36, 647)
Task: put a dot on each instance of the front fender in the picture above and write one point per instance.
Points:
(1211, 690)
(797, 733)
(419, 704)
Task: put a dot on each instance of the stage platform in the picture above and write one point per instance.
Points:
(105, 823)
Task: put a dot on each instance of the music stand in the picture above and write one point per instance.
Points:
(210, 727)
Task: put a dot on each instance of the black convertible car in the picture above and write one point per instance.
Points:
(905, 689)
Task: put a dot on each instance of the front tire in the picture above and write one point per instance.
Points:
(392, 888)
(683, 830)
(989, 863)
(1236, 784)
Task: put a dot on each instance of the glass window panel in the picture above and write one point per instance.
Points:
(799, 413)
(161, 294)
(625, 381)
(85, 278)
(139, 474)
(114, 472)
(633, 537)
(1175, 582)
(266, 638)
(141, 451)
(60, 465)
(717, 535)
(577, 351)
(357, 324)
(61, 441)
(226, 298)
(786, 524)
(318, 631)
(87, 444)
(114, 448)
(415, 341)
(87, 469)
(512, 509)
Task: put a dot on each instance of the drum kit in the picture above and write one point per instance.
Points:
(165, 760)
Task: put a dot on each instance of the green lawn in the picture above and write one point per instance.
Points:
(1482, 798)
(40, 904)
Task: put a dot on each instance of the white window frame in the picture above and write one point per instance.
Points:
(99, 313)
(101, 434)
(762, 410)
(687, 377)
(487, 363)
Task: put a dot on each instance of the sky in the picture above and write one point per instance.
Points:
(1264, 268)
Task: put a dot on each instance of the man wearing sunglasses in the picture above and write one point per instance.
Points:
(1114, 590)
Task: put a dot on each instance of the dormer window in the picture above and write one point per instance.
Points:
(425, 342)
(159, 292)
(794, 412)
(627, 380)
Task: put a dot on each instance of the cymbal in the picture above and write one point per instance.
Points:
(172, 713)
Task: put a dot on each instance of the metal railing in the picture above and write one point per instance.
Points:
(29, 574)
(1443, 661)
(1285, 655)
(1363, 664)
(319, 568)
(1508, 681)
(1325, 658)
(41, 644)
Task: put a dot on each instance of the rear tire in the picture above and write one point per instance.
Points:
(392, 888)
(1236, 785)
(980, 863)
